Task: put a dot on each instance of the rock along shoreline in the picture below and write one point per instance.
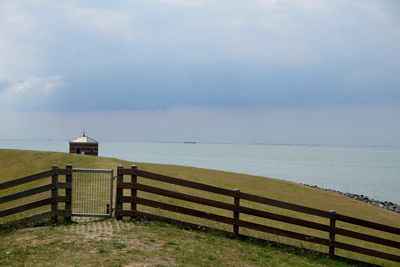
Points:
(382, 204)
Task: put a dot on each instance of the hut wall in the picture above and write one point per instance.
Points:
(87, 149)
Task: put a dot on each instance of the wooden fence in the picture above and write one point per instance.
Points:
(331, 230)
(52, 188)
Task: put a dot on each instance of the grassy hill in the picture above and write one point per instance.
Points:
(14, 164)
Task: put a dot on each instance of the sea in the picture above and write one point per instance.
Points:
(372, 171)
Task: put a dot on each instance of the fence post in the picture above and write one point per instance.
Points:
(54, 194)
(133, 190)
(332, 226)
(120, 193)
(236, 203)
(68, 193)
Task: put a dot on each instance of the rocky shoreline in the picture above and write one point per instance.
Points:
(382, 204)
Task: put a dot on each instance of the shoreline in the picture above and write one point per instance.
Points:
(382, 204)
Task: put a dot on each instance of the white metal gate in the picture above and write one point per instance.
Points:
(92, 192)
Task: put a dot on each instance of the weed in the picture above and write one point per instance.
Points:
(211, 258)
(119, 245)
(102, 250)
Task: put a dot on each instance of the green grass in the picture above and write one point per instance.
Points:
(141, 243)
(14, 164)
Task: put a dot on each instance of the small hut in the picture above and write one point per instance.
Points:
(84, 145)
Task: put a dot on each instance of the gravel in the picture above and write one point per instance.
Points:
(382, 204)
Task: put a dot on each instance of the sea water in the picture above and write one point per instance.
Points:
(370, 171)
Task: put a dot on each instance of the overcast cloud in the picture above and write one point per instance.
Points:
(237, 61)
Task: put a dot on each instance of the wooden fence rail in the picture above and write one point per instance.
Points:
(53, 188)
(331, 229)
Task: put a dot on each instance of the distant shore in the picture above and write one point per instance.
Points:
(382, 204)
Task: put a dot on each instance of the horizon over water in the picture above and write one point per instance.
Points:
(373, 171)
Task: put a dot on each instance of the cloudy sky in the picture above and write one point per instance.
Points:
(270, 71)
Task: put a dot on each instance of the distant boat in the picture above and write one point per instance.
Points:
(189, 142)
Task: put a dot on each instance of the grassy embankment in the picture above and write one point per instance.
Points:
(14, 164)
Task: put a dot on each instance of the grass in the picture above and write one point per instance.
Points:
(14, 164)
(141, 243)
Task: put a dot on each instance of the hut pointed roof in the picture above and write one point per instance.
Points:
(84, 139)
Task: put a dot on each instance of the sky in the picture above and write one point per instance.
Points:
(257, 71)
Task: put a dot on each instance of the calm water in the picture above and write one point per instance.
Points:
(371, 171)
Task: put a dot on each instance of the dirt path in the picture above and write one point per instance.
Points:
(115, 232)
(100, 230)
